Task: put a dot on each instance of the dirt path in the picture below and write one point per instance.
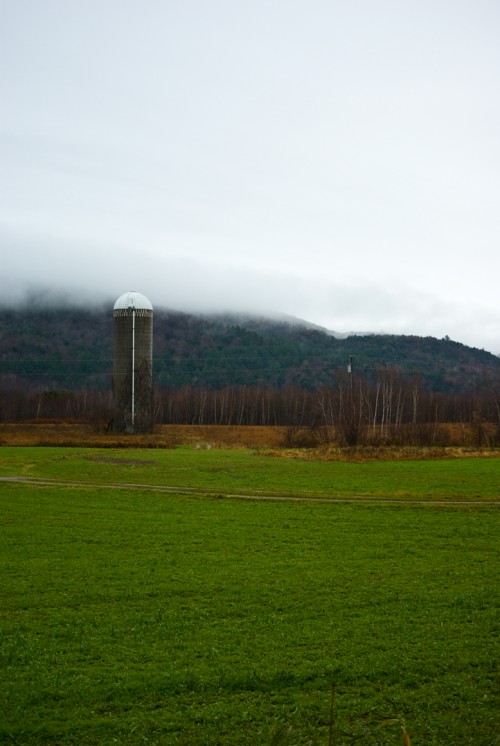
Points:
(172, 489)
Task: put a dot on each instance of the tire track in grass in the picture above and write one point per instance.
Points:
(172, 489)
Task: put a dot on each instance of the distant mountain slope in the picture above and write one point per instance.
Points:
(71, 348)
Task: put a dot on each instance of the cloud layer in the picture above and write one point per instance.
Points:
(336, 163)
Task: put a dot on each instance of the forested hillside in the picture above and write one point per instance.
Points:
(71, 349)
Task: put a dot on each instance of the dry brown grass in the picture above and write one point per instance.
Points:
(381, 453)
(269, 440)
(164, 436)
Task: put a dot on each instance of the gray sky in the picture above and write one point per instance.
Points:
(338, 161)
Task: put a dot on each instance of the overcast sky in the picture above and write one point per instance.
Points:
(338, 161)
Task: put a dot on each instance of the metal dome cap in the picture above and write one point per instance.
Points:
(132, 299)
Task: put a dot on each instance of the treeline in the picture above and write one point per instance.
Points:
(391, 408)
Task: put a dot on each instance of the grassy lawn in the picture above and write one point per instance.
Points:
(136, 617)
(249, 472)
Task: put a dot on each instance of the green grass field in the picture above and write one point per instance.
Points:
(135, 617)
(249, 472)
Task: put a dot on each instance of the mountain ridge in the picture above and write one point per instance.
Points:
(71, 348)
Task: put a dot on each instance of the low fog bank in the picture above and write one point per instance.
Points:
(42, 297)
(415, 316)
(49, 299)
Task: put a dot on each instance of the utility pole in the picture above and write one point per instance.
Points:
(350, 370)
(352, 416)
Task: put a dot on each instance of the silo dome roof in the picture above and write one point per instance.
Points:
(132, 300)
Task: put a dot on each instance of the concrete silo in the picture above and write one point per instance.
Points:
(133, 364)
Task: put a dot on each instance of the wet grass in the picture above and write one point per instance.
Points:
(135, 617)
